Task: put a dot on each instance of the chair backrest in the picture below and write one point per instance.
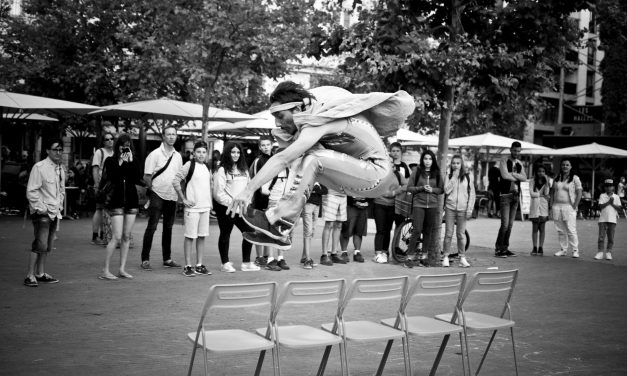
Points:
(371, 289)
(309, 293)
(247, 295)
(426, 286)
(491, 283)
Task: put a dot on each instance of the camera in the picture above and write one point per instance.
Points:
(126, 150)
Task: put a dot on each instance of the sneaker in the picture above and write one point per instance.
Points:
(534, 251)
(326, 260)
(99, 242)
(560, 253)
(445, 262)
(201, 269)
(30, 282)
(345, 257)
(257, 220)
(261, 261)
(274, 266)
(575, 254)
(357, 257)
(283, 265)
(381, 258)
(249, 267)
(599, 256)
(188, 271)
(308, 264)
(227, 267)
(303, 260)
(463, 262)
(146, 265)
(509, 253)
(409, 263)
(540, 251)
(171, 264)
(608, 256)
(265, 240)
(337, 259)
(46, 278)
(500, 254)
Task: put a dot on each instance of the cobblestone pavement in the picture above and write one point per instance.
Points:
(569, 312)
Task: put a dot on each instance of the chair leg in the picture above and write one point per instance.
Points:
(464, 354)
(323, 361)
(438, 357)
(206, 359)
(514, 349)
(191, 362)
(486, 352)
(344, 358)
(384, 358)
(407, 356)
(262, 355)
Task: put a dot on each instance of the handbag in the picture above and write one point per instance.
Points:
(105, 194)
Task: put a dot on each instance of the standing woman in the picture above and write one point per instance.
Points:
(459, 204)
(539, 209)
(426, 185)
(229, 181)
(120, 175)
(566, 194)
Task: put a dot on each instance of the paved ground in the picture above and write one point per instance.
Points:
(570, 313)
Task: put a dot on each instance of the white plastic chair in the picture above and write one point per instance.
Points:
(315, 294)
(491, 286)
(425, 289)
(373, 290)
(231, 341)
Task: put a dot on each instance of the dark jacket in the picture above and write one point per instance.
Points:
(422, 198)
(317, 192)
(123, 179)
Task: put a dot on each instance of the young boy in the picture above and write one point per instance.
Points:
(356, 226)
(334, 213)
(609, 204)
(309, 215)
(197, 201)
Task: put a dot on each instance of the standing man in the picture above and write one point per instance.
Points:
(97, 164)
(160, 169)
(45, 193)
(512, 173)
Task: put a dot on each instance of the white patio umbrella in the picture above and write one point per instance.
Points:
(593, 151)
(262, 124)
(407, 137)
(490, 140)
(28, 116)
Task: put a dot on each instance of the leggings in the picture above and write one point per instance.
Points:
(226, 223)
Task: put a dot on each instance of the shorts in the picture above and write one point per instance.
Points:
(334, 208)
(357, 223)
(539, 219)
(309, 215)
(196, 224)
(122, 211)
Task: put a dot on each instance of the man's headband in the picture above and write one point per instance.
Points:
(289, 105)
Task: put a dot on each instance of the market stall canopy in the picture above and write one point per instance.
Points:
(28, 116)
(407, 137)
(10, 102)
(169, 109)
(263, 124)
(489, 140)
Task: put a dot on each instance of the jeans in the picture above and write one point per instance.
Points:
(453, 218)
(309, 216)
(157, 207)
(384, 219)
(606, 229)
(44, 228)
(226, 223)
(509, 207)
(425, 220)
(565, 219)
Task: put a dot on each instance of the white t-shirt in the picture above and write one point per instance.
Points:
(198, 189)
(99, 159)
(162, 185)
(609, 213)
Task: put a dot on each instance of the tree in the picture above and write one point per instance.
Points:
(613, 35)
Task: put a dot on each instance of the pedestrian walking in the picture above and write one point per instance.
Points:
(45, 192)
(609, 204)
(539, 209)
(565, 197)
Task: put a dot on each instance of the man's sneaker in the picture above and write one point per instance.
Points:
(261, 261)
(302, 260)
(345, 257)
(599, 256)
(46, 278)
(227, 267)
(357, 257)
(540, 251)
(201, 269)
(146, 265)
(274, 266)
(560, 253)
(265, 240)
(509, 253)
(308, 264)
(99, 242)
(171, 264)
(463, 262)
(575, 254)
(249, 267)
(381, 258)
(534, 251)
(30, 282)
(608, 255)
(337, 259)
(500, 254)
(326, 260)
(257, 220)
(188, 271)
(283, 265)
(445, 262)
